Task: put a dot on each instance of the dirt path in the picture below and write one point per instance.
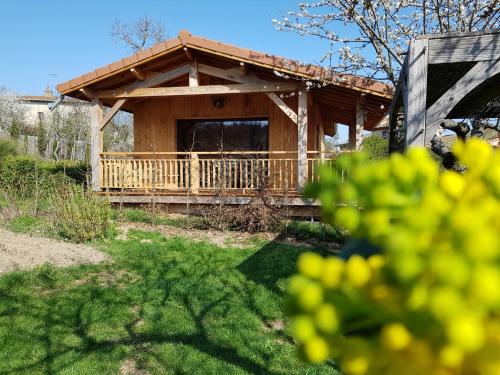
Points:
(219, 238)
(21, 251)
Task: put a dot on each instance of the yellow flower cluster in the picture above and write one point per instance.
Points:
(429, 303)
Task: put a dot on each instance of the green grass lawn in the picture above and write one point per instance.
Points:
(162, 306)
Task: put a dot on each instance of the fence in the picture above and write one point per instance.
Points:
(58, 149)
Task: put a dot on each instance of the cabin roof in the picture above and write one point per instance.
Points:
(260, 59)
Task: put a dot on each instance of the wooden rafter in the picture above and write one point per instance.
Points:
(88, 92)
(138, 73)
(155, 80)
(188, 53)
(243, 88)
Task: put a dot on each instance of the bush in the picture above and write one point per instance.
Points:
(375, 147)
(79, 215)
(260, 215)
(428, 302)
(8, 147)
(26, 173)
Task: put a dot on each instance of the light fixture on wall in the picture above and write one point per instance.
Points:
(218, 102)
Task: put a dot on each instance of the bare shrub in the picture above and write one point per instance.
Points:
(78, 214)
(263, 213)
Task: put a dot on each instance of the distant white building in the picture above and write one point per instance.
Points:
(37, 107)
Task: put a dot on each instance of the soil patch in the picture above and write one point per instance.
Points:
(219, 238)
(22, 251)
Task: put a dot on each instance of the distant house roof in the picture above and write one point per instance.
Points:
(185, 39)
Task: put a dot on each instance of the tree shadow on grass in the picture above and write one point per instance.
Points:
(273, 263)
(188, 299)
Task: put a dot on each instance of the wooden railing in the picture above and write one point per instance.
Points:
(209, 171)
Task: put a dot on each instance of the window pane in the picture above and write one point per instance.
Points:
(227, 135)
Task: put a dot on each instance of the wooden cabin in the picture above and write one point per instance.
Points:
(452, 76)
(210, 116)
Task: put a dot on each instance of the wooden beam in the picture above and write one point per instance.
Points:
(464, 48)
(416, 93)
(96, 143)
(116, 107)
(193, 74)
(244, 88)
(479, 73)
(302, 140)
(188, 53)
(233, 75)
(138, 73)
(283, 106)
(157, 79)
(228, 74)
(88, 92)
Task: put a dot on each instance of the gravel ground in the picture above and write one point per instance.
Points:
(21, 251)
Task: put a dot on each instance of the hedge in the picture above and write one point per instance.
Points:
(25, 172)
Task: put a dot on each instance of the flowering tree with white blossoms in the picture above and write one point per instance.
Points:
(369, 37)
(12, 113)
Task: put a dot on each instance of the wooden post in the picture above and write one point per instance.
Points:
(302, 140)
(356, 130)
(194, 171)
(321, 140)
(96, 143)
(193, 73)
(416, 93)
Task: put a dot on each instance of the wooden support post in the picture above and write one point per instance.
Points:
(302, 140)
(193, 74)
(416, 93)
(356, 129)
(194, 171)
(321, 139)
(360, 121)
(96, 143)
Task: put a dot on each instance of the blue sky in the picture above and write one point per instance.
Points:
(47, 42)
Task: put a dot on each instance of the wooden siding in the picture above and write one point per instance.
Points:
(155, 120)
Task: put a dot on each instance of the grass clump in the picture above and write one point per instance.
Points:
(313, 231)
(79, 215)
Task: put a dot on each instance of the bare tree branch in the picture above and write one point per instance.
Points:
(140, 34)
(368, 37)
